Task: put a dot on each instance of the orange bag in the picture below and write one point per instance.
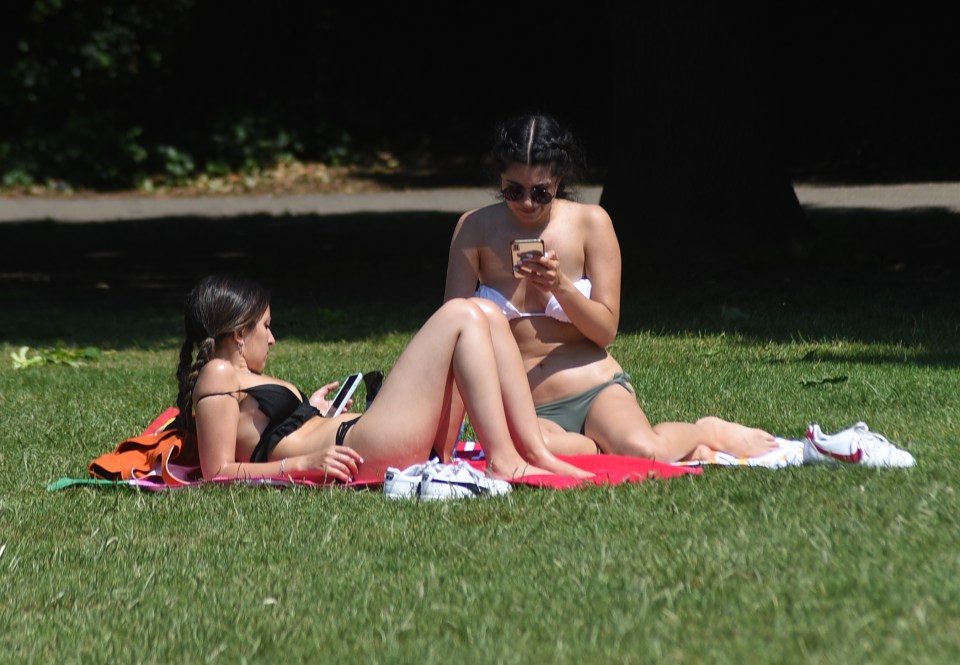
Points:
(169, 453)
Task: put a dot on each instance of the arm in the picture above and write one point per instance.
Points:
(218, 419)
(597, 317)
(463, 263)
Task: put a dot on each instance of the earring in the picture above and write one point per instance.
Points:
(240, 347)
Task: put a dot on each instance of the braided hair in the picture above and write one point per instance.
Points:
(218, 305)
(538, 139)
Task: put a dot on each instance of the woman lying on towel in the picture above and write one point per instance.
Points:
(564, 304)
(252, 425)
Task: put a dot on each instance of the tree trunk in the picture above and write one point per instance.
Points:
(696, 162)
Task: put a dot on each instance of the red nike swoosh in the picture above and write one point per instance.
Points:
(853, 458)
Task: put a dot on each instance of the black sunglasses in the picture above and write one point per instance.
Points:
(539, 194)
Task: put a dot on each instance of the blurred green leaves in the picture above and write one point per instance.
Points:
(58, 355)
(107, 94)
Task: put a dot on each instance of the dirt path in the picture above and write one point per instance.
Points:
(943, 196)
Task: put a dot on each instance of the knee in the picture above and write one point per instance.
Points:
(646, 449)
(638, 444)
(492, 313)
(464, 310)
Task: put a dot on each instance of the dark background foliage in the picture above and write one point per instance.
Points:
(101, 93)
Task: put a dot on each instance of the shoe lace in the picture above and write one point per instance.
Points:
(876, 446)
(873, 438)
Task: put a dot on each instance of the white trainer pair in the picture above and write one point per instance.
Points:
(434, 481)
(405, 483)
(854, 445)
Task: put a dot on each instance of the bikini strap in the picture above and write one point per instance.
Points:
(231, 394)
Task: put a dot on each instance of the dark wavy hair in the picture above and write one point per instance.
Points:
(218, 305)
(538, 139)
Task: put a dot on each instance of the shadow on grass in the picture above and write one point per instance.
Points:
(868, 277)
(125, 281)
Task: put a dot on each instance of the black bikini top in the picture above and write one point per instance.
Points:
(276, 402)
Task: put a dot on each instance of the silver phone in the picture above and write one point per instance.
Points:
(521, 247)
(344, 393)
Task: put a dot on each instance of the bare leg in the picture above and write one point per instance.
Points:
(561, 442)
(736, 439)
(556, 440)
(458, 412)
(618, 425)
(414, 410)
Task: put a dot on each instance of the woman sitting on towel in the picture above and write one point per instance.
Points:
(564, 305)
(252, 425)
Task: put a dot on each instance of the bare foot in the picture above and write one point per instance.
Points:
(562, 468)
(513, 470)
(736, 439)
(702, 454)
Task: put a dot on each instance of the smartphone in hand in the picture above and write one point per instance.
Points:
(346, 390)
(524, 248)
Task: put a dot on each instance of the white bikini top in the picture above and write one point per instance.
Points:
(553, 308)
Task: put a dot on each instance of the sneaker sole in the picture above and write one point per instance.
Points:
(410, 491)
(439, 490)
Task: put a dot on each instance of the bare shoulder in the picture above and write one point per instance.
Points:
(587, 217)
(597, 228)
(479, 222)
(595, 216)
(217, 376)
(485, 215)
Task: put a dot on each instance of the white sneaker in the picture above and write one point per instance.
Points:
(405, 484)
(854, 445)
(459, 481)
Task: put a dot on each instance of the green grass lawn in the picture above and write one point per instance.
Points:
(798, 565)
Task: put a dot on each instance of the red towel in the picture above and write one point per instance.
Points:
(607, 470)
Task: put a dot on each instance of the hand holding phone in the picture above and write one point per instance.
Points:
(524, 249)
(346, 390)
